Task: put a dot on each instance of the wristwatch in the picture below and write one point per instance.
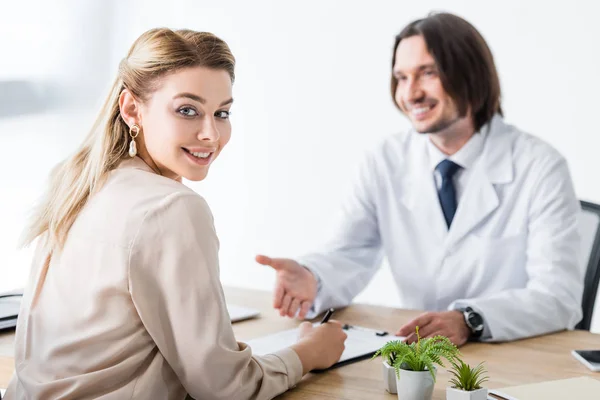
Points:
(474, 322)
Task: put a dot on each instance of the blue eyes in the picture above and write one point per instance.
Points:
(189, 112)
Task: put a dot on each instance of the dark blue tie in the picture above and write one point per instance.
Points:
(447, 193)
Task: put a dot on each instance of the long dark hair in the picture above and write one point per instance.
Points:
(464, 61)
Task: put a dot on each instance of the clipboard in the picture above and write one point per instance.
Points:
(361, 343)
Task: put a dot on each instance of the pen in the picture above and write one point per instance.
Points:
(328, 315)
(494, 394)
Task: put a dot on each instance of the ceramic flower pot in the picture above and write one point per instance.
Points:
(415, 385)
(389, 377)
(457, 394)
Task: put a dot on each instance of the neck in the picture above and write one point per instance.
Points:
(453, 138)
(150, 162)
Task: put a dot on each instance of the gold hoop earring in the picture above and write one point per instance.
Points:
(134, 131)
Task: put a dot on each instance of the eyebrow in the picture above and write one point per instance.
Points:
(419, 68)
(200, 99)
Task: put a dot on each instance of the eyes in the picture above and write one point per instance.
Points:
(187, 112)
(190, 112)
(428, 73)
(223, 114)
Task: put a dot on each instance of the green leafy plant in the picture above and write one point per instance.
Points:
(466, 378)
(421, 355)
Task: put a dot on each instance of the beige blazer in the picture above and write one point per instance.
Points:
(132, 307)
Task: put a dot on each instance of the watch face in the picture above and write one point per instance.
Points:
(475, 321)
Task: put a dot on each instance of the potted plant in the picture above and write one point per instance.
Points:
(414, 364)
(389, 373)
(466, 382)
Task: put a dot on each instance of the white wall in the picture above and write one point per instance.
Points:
(65, 45)
(66, 42)
(312, 92)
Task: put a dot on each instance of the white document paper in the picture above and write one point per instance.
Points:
(361, 342)
(238, 313)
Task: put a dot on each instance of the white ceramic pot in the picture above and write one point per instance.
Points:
(414, 385)
(389, 377)
(457, 394)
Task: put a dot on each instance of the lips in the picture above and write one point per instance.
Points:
(421, 110)
(201, 153)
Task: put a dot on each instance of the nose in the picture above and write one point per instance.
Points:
(209, 132)
(413, 92)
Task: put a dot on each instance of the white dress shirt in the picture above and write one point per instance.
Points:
(466, 157)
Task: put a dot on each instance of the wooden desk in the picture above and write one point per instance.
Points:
(525, 361)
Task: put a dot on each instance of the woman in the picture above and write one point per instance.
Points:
(124, 299)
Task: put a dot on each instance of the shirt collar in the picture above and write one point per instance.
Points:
(465, 157)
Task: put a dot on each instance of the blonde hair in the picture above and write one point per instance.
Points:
(154, 54)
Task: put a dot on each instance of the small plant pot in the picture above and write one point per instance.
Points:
(415, 385)
(389, 377)
(457, 394)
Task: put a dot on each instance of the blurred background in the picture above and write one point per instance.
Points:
(311, 95)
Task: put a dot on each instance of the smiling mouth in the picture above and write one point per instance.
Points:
(421, 110)
(200, 155)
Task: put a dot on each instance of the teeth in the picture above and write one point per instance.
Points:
(420, 110)
(200, 155)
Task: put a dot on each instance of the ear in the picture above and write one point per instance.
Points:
(130, 108)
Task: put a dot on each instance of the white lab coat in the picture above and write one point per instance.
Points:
(511, 253)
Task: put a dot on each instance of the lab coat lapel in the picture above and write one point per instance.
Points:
(480, 197)
(419, 193)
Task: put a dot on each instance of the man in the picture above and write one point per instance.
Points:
(477, 219)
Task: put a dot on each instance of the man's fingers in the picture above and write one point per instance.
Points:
(262, 259)
(436, 333)
(285, 305)
(271, 262)
(453, 339)
(431, 329)
(304, 309)
(406, 329)
(411, 338)
(278, 296)
(402, 331)
(421, 321)
(294, 306)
